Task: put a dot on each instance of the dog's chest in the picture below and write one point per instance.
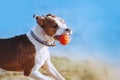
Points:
(41, 56)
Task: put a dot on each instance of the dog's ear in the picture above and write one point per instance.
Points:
(39, 19)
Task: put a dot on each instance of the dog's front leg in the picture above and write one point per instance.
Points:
(52, 70)
(37, 75)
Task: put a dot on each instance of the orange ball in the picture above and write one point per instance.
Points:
(64, 39)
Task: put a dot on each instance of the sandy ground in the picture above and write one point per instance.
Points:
(71, 70)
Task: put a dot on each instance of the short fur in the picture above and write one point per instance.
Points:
(17, 54)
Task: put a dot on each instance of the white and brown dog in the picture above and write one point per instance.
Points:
(29, 52)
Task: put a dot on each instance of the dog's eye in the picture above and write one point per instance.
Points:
(55, 26)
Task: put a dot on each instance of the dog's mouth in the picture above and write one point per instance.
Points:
(64, 39)
(57, 37)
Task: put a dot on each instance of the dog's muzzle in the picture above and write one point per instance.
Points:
(64, 38)
(67, 32)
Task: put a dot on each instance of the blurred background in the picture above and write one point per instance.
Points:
(95, 25)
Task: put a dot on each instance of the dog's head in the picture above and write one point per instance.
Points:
(53, 26)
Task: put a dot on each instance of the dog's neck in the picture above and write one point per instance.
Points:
(41, 34)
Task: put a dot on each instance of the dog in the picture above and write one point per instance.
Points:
(29, 52)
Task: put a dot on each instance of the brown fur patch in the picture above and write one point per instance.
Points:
(17, 54)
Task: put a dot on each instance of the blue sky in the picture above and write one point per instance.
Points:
(95, 24)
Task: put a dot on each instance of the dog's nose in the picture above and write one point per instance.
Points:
(68, 29)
